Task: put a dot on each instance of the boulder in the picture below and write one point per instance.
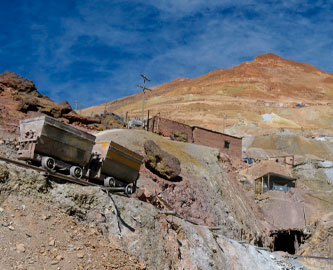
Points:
(160, 162)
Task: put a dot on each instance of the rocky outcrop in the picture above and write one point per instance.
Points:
(66, 107)
(20, 99)
(11, 80)
(161, 162)
(74, 117)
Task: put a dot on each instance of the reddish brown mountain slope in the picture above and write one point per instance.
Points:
(269, 84)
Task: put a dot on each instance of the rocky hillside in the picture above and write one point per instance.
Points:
(197, 222)
(20, 99)
(254, 97)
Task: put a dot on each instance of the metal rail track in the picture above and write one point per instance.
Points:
(60, 176)
(311, 257)
(48, 173)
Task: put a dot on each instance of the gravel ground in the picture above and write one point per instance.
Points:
(37, 235)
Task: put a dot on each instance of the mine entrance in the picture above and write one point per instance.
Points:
(287, 240)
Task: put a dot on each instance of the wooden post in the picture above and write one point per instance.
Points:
(262, 185)
(148, 121)
(258, 186)
(158, 123)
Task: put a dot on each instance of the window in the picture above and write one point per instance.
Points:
(226, 144)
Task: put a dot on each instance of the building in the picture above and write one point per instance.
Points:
(230, 145)
(273, 181)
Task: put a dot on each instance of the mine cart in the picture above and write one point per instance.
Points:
(55, 146)
(116, 165)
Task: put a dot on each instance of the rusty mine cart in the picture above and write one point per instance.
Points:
(62, 148)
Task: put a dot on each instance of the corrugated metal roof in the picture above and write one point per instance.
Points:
(277, 175)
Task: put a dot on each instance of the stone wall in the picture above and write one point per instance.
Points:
(227, 144)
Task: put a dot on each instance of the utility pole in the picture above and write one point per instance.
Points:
(76, 104)
(143, 94)
(106, 103)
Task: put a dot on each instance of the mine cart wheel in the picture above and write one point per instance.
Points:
(129, 190)
(109, 182)
(76, 172)
(48, 163)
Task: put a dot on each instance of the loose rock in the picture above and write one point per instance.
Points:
(52, 242)
(161, 162)
(4, 173)
(20, 248)
(80, 255)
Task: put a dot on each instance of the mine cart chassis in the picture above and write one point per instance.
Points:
(94, 172)
(53, 165)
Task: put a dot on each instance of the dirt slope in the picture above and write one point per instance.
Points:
(238, 98)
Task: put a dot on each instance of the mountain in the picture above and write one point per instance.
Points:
(253, 97)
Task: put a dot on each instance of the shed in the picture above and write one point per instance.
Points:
(273, 181)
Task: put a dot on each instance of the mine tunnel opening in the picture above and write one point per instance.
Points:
(287, 240)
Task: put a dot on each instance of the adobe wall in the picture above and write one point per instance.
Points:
(215, 139)
(165, 127)
(198, 135)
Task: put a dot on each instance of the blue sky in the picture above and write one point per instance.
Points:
(93, 50)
